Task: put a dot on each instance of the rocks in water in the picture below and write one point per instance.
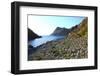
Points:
(30, 46)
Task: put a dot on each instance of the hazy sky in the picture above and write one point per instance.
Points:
(45, 25)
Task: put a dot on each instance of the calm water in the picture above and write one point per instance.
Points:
(44, 39)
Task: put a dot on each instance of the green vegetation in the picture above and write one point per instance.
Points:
(73, 46)
(81, 30)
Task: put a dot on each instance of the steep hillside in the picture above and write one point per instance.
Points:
(73, 46)
(80, 30)
(32, 35)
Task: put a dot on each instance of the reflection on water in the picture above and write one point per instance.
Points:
(39, 41)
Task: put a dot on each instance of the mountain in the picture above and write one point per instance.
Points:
(73, 46)
(32, 35)
(61, 31)
(80, 30)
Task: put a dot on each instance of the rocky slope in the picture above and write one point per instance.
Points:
(73, 46)
(61, 31)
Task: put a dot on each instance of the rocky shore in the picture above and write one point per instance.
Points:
(73, 46)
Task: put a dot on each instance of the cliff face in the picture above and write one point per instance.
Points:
(32, 35)
(73, 46)
(61, 31)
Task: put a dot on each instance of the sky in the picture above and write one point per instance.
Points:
(46, 24)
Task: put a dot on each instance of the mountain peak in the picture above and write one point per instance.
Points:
(61, 31)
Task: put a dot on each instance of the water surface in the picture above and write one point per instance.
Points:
(39, 41)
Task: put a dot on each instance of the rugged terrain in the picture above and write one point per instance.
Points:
(73, 46)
